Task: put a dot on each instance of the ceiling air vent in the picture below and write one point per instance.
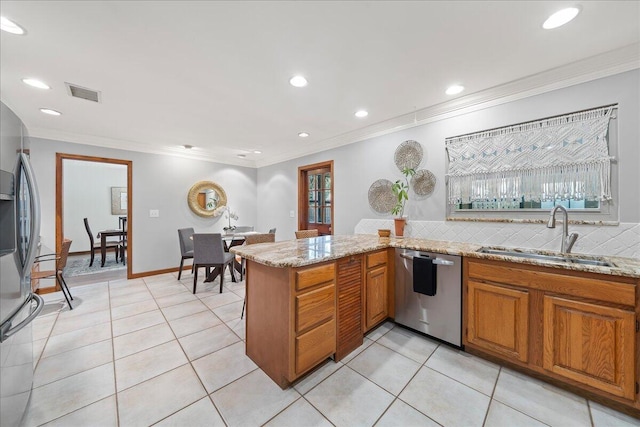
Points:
(83, 92)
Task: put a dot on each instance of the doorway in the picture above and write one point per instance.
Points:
(106, 202)
(315, 197)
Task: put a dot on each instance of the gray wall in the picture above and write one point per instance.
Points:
(265, 197)
(159, 182)
(358, 165)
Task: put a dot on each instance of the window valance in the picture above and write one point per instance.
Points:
(559, 157)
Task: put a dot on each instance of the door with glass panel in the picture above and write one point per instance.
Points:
(315, 197)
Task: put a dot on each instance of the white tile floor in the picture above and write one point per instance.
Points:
(148, 351)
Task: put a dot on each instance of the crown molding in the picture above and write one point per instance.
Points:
(126, 145)
(607, 64)
(592, 68)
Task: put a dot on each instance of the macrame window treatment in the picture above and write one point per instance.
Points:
(553, 160)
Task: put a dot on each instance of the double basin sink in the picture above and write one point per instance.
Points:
(532, 254)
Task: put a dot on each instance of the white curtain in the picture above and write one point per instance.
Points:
(563, 157)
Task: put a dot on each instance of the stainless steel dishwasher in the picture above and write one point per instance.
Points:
(439, 316)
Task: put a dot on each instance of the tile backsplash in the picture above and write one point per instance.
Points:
(621, 240)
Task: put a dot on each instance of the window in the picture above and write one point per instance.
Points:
(561, 160)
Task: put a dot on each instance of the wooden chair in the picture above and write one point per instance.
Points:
(303, 234)
(251, 240)
(97, 245)
(208, 251)
(122, 244)
(61, 262)
(186, 247)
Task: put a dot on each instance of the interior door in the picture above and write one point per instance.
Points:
(315, 198)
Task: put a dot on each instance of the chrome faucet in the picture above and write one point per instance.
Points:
(567, 239)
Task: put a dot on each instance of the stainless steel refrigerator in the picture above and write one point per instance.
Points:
(19, 231)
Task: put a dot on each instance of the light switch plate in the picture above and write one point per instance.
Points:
(154, 213)
(292, 214)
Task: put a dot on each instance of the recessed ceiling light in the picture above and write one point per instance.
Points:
(36, 83)
(362, 113)
(303, 134)
(298, 81)
(454, 89)
(10, 26)
(51, 112)
(187, 146)
(257, 152)
(242, 156)
(560, 18)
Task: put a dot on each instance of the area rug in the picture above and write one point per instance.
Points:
(79, 266)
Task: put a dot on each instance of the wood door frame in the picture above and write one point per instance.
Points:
(60, 198)
(302, 196)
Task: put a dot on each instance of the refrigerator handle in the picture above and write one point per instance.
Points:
(35, 212)
(7, 331)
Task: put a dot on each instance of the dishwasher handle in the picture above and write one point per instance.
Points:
(439, 261)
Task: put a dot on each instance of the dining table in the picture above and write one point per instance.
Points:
(104, 235)
(234, 239)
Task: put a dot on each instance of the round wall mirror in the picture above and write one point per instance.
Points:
(205, 197)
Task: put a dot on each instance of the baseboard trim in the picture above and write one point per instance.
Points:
(47, 290)
(156, 272)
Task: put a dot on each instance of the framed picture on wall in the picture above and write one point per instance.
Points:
(118, 200)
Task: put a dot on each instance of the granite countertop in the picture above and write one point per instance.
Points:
(303, 252)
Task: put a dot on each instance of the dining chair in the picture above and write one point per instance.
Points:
(251, 240)
(122, 247)
(97, 245)
(208, 251)
(303, 234)
(61, 262)
(186, 247)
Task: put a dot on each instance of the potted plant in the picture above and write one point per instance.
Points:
(401, 190)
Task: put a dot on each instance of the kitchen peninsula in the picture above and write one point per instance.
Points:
(310, 299)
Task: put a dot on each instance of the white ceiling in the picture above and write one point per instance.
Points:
(215, 74)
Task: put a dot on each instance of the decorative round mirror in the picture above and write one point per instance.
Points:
(205, 197)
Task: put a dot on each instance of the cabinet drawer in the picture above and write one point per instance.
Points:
(315, 307)
(376, 258)
(308, 277)
(315, 346)
(545, 280)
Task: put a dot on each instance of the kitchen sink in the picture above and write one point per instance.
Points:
(584, 260)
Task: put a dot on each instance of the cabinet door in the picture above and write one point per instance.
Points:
(590, 343)
(498, 319)
(349, 284)
(375, 296)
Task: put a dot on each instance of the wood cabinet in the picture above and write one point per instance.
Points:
(291, 318)
(590, 343)
(315, 316)
(298, 317)
(574, 327)
(498, 319)
(349, 284)
(376, 289)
